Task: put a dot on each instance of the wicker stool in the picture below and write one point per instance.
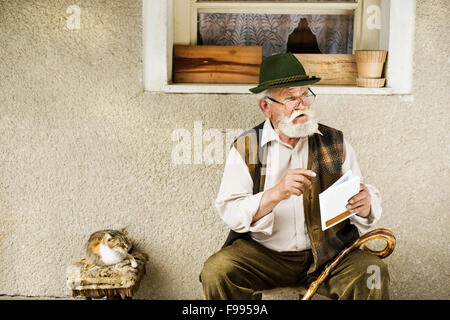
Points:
(116, 282)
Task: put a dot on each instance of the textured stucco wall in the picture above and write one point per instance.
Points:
(83, 148)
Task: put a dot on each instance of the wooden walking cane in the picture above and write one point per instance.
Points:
(379, 233)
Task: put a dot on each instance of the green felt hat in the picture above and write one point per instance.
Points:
(281, 71)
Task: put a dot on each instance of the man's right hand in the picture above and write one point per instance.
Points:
(294, 182)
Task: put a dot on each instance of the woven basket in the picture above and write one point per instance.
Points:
(370, 55)
(370, 83)
(369, 63)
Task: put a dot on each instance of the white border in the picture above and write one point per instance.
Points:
(157, 17)
(399, 69)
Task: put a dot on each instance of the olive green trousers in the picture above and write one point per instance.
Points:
(236, 271)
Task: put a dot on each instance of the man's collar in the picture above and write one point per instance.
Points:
(269, 133)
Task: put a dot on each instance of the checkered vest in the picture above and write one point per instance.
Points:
(325, 158)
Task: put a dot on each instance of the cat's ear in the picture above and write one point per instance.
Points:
(124, 229)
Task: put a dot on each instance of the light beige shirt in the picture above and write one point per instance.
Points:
(284, 228)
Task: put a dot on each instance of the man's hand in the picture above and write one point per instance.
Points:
(294, 182)
(360, 202)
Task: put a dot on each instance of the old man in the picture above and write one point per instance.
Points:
(269, 199)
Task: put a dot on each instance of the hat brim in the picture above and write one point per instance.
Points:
(298, 83)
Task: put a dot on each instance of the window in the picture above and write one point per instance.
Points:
(190, 22)
(275, 25)
(278, 33)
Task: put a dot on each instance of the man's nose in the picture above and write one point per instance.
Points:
(300, 106)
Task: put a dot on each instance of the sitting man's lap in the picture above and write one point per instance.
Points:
(235, 272)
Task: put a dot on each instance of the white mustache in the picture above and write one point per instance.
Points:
(295, 114)
(287, 126)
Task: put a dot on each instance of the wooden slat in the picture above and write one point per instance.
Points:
(332, 68)
(216, 64)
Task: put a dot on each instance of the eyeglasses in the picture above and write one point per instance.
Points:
(306, 100)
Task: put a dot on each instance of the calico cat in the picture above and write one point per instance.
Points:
(109, 247)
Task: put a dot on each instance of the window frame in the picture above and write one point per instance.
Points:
(397, 37)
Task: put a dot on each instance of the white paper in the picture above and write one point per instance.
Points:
(334, 199)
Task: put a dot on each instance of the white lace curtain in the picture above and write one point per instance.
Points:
(334, 33)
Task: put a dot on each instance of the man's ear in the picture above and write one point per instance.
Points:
(265, 107)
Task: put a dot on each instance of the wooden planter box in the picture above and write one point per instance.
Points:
(338, 69)
(216, 64)
(240, 64)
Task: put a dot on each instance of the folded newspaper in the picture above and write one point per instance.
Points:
(334, 199)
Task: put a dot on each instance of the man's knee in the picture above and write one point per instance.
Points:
(377, 274)
(217, 268)
(362, 276)
(372, 272)
(220, 277)
(373, 267)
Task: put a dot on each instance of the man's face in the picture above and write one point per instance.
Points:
(295, 118)
(285, 95)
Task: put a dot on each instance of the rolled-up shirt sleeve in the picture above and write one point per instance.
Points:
(351, 163)
(236, 203)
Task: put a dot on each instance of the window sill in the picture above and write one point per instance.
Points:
(398, 40)
(243, 88)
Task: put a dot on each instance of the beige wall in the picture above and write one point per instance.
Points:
(83, 148)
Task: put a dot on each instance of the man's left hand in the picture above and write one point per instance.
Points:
(360, 203)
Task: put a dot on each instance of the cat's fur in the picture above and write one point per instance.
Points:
(109, 247)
